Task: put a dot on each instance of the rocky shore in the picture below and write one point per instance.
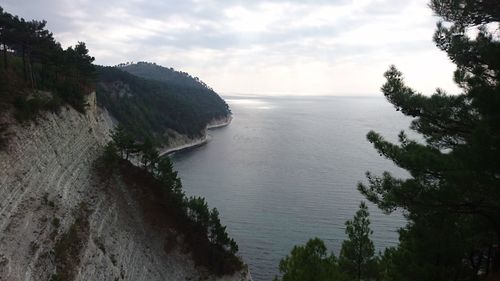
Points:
(180, 142)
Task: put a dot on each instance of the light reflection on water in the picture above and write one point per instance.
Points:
(282, 175)
(250, 103)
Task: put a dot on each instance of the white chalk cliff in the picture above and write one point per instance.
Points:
(46, 176)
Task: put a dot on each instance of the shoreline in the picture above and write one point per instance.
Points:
(193, 143)
(220, 123)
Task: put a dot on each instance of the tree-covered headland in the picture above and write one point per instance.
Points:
(150, 101)
(452, 197)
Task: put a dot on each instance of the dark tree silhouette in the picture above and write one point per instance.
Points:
(357, 252)
(454, 183)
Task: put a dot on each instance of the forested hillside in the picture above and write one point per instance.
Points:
(156, 99)
(32, 61)
(57, 193)
(157, 72)
(37, 74)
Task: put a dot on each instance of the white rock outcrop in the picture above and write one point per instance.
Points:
(178, 142)
(46, 173)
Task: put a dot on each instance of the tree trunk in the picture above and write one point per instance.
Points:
(4, 56)
(360, 258)
(24, 63)
(32, 76)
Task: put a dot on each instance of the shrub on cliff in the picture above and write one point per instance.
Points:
(68, 248)
(201, 227)
(204, 236)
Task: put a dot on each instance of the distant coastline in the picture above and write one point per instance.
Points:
(219, 123)
(188, 143)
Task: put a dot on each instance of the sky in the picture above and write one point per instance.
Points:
(280, 47)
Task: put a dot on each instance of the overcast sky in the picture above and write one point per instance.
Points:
(259, 47)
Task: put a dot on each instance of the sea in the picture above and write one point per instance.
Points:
(286, 170)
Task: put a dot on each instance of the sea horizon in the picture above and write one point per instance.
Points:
(286, 169)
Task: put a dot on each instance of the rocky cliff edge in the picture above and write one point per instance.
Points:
(58, 220)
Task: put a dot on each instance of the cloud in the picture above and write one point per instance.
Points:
(282, 46)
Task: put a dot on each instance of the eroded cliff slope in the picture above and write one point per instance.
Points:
(57, 219)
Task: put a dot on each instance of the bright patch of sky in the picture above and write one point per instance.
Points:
(285, 47)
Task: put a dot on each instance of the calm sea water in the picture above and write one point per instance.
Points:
(286, 170)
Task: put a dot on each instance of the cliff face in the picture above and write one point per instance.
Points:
(179, 142)
(58, 220)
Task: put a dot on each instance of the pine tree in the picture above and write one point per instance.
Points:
(150, 155)
(165, 172)
(124, 142)
(455, 172)
(309, 262)
(198, 211)
(356, 254)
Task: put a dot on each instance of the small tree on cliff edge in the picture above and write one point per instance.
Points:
(356, 255)
(455, 174)
(310, 262)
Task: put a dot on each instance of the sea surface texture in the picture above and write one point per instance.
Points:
(287, 169)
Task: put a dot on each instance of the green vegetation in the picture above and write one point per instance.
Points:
(150, 101)
(56, 222)
(310, 263)
(201, 227)
(451, 199)
(157, 101)
(36, 73)
(68, 248)
(356, 260)
(171, 76)
(357, 254)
